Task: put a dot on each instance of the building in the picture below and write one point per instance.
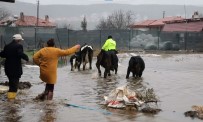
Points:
(35, 31)
(172, 24)
(27, 21)
(156, 24)
(173, 33)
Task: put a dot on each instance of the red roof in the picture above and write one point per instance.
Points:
(181, 27)
(31, 21)
(143, 24)
(163, 21)
(157, 23)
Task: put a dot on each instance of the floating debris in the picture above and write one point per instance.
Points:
(150, 110)
(196, 112)
(124, 98)
(21, 85)
(40, 97)
(3, 89)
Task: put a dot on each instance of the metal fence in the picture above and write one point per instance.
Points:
(126, 39)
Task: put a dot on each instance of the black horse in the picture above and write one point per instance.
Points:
(84, 55)
(108, 60)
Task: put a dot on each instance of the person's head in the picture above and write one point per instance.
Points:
(50, 43)
(109, 37)
(17, 38)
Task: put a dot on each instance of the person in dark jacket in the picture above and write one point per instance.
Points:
(13, 53)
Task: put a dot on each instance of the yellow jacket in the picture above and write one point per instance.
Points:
(110, 44)
(47, 60)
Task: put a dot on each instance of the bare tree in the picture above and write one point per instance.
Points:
(200, 15)
(67, 26)
(117, 20)
(4, 13)
(102, 24)
(84, 24)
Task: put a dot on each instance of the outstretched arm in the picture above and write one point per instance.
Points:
(68, 51)
(22, 54)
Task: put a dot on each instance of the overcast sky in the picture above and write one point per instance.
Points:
(85, 2)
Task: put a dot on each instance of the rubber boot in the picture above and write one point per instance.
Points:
(49, 96)
(11, 95)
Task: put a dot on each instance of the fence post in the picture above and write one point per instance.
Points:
(1, 42)
(129, 39)
(186, 40)
(159, 31)
(100, 37)
(68, 37)
(0, 50)
(35, 36)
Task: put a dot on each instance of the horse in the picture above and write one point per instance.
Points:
(109, 61)
(84, 55)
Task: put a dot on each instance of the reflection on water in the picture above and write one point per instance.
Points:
(48, 111)
(10, 112)
(104, 87)
(176, 79)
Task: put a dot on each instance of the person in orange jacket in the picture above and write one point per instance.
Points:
(47, 59)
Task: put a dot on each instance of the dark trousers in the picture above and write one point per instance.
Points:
(49, 91)
(113, 53)
(49, 88)
(13, 84)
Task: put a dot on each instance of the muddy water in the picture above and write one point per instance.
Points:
(176, 79)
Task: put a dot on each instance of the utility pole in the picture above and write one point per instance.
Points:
(163, 14)
(185, 37)
(37, 23)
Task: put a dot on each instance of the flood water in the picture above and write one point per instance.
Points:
(176, 79)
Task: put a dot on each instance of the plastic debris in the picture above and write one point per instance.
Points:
(122, 97)
(3, 89)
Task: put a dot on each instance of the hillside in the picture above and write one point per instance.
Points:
(73, 14)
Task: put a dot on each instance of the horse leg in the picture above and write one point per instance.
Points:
(90, 64)
(84, 64)
(79, 66)
(134, 74)
(116, 69)
(90, 55)
(85, 59)
(140, 74)
(128, 72)
(107, 72)
(71, 66)
(98, 67)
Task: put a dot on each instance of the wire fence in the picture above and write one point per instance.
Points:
(35, 38)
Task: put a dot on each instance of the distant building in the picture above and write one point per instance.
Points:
(172, 24)
(26, 25)
(194, 24)
(156, 24)
(26, 21)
